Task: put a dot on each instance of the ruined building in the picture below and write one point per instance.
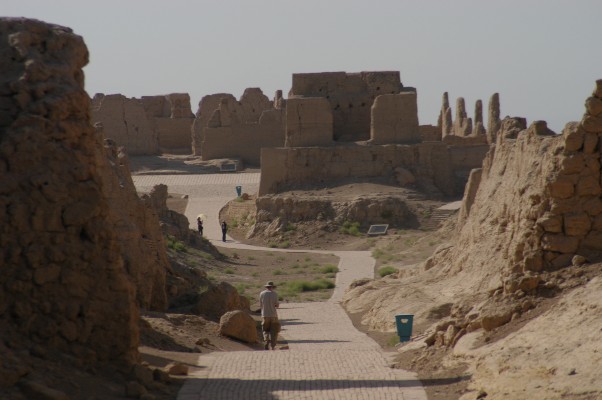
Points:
(227, 128)
(147, 126)
(366, 125)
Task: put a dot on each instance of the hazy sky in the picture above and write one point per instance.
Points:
(541, 56)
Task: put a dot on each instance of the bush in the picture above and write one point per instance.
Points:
(229, 271)
(377, 253)
(306, 286)
(350, 228)
(174, 244)
(329, 269)
(386, 270)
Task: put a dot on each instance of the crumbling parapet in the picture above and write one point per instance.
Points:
(351, 96)
(228, 128)
(462, 124)
(493, 118)
(394, 119)
(308, 122)
(445, 116)
(146, 126)
(478, 128)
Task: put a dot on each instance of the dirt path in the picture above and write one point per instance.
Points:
(328, 358)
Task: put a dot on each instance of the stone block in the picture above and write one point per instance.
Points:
(592, 124)
(559, 243)
(590, 143)
(577, 224)
(592, 205)
(562, 188)
(573, 164)
(550, 223)
(238, 325)
(593, 241)
(593, 105)
(573, 136)
(589, 186)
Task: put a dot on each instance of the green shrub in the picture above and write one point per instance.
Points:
(329, 269)
(272, 245)
(290, 227)
(377, 253)
(174, 244)
(350, 228)
(386, 270)
(278, 272)
(306, 286)
(284, 245)
(229, 271)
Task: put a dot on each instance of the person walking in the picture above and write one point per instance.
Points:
(270, 326)
(199, 224)
(224, 230)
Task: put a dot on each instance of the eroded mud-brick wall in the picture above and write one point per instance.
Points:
(62, 278)
(227, 128)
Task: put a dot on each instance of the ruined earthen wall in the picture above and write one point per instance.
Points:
(137, 226)
(394, 119)
(125, 121)
(538, 203)
(350, 95)
(227, 128)
(63, 281)
(146, 126)
(290, 167)
(429, 133)
(465, 158)
(308, 122)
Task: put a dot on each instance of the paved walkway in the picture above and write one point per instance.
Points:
(328, 357)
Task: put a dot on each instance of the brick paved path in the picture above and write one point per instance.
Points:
(328, 358)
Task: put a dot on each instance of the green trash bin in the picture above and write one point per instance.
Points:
(404, 324)
(239, 190)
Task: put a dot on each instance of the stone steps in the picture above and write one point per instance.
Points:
(437, 218)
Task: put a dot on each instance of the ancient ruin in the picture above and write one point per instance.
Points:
(227, 128)
(382, 120)
(65, 283)
(528, 229)
(150, 125)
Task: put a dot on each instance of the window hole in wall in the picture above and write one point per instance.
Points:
(350, 105)
(374, 157)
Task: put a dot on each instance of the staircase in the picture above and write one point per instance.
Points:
(439, 215)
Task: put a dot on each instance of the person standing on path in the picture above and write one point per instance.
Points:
(199, 223)
(224, 230)
(268, 300)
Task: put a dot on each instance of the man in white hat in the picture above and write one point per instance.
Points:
(268, 300)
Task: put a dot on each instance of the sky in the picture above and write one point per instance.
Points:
(542, 56)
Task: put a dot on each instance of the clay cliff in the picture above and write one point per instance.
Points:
(529, 230)
(80, 253)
